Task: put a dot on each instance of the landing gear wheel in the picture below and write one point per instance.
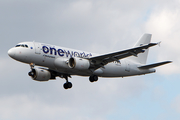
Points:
(30, 73)
(67, 85)
(93, 78)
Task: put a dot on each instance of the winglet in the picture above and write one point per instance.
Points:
(159, 43)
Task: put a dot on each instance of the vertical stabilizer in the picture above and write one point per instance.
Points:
(142, 57)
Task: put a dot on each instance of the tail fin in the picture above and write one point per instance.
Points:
(142, 57)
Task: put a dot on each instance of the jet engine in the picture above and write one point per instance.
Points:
(61, 63)
(79, 63)
(40, 74)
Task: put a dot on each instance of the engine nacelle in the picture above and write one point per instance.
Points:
(79, 63)
(40, 74)
(61, 63)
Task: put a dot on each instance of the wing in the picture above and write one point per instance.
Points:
(101, 60)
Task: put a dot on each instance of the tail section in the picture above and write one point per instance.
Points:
(142, 57)
(154, 65)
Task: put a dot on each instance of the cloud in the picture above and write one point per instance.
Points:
(28, 107)
(98, 26)
(176, 103)
(158, 93)
(164, 25)
(83, 101)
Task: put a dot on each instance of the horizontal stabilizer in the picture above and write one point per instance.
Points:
(154, 65)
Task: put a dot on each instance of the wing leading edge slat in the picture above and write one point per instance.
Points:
(99, 61)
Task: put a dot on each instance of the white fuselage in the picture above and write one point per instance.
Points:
(45, 55)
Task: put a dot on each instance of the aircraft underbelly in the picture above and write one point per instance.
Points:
(75, 72)
(121, 70)
(113, 70)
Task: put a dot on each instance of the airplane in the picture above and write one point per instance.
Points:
(55, 61)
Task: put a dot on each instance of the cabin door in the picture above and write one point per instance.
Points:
(37, 48)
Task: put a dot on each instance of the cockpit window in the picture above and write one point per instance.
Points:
(18, 45)
(22, 45)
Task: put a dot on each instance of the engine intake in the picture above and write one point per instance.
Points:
(40, 74)
(79, 63)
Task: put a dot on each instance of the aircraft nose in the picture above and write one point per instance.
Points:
(11, 52)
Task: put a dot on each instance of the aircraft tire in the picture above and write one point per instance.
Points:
(67, 85)
(93, 78)
(31, 73)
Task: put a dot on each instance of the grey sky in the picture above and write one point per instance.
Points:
(98, 26)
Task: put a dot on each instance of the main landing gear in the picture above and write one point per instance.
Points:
(93, 78)
(67, 84)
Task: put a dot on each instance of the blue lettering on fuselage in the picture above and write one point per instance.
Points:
(61, 52)
(45, 49)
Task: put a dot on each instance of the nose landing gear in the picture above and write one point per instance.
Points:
(32, 72)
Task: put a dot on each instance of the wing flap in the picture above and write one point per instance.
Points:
(154, 65)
